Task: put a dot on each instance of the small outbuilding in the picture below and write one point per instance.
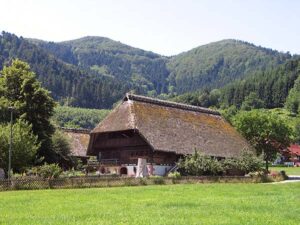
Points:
(79, 140)
(160, 132)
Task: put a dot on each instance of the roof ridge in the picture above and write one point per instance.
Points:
(156, 101)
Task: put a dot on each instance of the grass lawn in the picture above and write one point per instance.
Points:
(174, 204)
(288, 170)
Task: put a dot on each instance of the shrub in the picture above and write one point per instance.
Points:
(49, 171)
(158, 180)
(174, 175)
(143, 181)
(199, 164)
(249, 162)
(260, 176)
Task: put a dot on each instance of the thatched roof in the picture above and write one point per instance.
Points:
(173, 127)
(79, 140)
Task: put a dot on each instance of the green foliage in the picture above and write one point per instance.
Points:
(252, 101)
(293, 100)
(297, 131)
(262, 89)
(247, 162)
(174, 175)
(95, 72)
(49, 171)
(32, 103)
(270, 86)
(71, 117)
(267, 133)
(158, 180)
(198, 164)
(61, 146)
(209, 66)
(229, 113)
(24, 148)
(69, 84)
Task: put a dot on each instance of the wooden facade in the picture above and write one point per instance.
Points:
(125, 147)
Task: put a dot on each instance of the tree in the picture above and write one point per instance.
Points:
(33, 104)
(252, 101)
(61, 146)
(293, 100)
(25, 146)
(297, 131)
(267, 133)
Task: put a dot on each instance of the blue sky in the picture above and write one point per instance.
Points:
(167, 27)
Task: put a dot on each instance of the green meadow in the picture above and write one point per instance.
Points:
(288, 170)
(166, 204)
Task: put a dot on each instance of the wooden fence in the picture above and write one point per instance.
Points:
(32, 183)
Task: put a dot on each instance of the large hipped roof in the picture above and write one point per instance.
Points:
(174, 127)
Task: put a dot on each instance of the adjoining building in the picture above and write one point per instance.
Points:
(160, 132)
(79, 140)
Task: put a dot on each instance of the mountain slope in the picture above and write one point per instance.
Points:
(67, 82)
(145, 70)
(95, 72)
(217, 64)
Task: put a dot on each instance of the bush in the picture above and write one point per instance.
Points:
(158, 180)
(49, 171)
(199, 164)
(175, 175)
(249, 162)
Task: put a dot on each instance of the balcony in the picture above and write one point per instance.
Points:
(114, 162)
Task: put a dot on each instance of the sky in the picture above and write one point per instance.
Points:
(167, 27)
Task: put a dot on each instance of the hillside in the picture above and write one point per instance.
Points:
(71, 117)
(262, 89)
(68, 83)
(217, 64)
(145, 70)
(95, 72)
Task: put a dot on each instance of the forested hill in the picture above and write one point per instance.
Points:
(217, 64)
(145, 70)
(95, 72)
(68, 83)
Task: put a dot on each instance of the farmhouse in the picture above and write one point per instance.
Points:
(160, 132)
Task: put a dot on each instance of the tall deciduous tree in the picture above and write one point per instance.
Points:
(19, 88)
(267, 133)
(25, 146)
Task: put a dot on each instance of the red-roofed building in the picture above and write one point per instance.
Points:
(294, 150)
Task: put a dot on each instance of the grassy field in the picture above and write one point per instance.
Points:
(174, 204)
(288, 170)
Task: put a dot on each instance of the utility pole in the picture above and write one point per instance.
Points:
(11, 141)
